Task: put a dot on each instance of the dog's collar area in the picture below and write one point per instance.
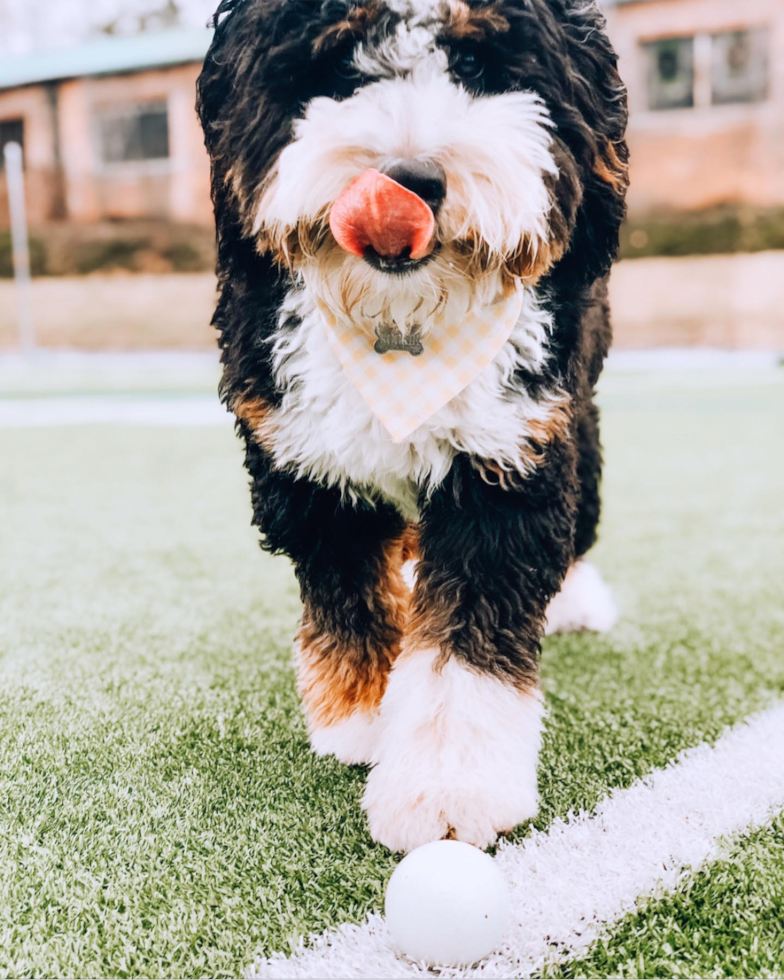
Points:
(405, 381)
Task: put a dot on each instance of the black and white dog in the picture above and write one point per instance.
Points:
(507, 119)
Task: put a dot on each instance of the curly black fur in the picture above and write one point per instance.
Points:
(491, 558)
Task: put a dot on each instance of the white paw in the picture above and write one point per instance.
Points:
(584, 604)
(404, 814)
(353, 740)
(457, 756)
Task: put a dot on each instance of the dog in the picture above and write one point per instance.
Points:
(401, 167)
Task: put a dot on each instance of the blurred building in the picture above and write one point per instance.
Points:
(109, 130)
(706, 90)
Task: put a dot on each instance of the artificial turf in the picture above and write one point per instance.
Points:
(725, 921)
(160, 813)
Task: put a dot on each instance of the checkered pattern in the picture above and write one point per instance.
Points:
(405, 391)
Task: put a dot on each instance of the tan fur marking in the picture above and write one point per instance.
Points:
(354, 26)
(336, 678)
(531, 265)
(474, 23)
(525, 263)
(289, 247)
(393, 594)
(496, 476)
(612, 170)
(257, 413)
(410, 543)
(332, 684)
(555, 425)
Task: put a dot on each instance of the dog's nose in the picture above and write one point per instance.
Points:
(379, 219)
(425, 178)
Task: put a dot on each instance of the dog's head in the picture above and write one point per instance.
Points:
(393, 153)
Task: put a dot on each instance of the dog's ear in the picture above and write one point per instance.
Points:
(268, 59)
(253, 57)
(598, 122)
(224, 117)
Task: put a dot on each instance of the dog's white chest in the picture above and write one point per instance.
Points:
(325, 431)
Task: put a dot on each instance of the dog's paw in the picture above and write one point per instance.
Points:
(584, 604)
(405, 813)
(353, 741)
(457, 756)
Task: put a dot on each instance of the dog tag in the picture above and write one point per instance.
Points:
(391, 338)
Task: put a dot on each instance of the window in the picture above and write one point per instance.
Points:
(670, 64)
(133, 133)
(707, 69)
(739, 67)
(11, 131)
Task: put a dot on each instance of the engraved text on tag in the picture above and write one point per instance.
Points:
(391, 338)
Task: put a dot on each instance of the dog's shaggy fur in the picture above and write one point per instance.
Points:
(519, 105)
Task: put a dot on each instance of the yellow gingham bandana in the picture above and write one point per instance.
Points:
(404, 391)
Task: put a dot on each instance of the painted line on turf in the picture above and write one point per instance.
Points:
(37, 413)
(573, 882)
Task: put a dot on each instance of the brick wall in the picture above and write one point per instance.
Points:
(83, 188)
(34, 106)
(687, 158)
(693, 158)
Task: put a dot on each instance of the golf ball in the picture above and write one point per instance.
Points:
(447, 904)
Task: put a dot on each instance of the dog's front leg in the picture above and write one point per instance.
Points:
(461, 719)
(356, 606)
(348, 554)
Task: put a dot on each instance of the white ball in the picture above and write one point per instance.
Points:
(447, 904)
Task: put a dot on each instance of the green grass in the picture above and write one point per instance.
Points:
(726, 921)
(160, 813)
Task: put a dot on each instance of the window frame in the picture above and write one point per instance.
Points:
(703, 60)
(117, 109)
(760, 41)
(648, 46)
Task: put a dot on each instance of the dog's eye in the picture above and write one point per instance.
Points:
(344, 66)
(468, 64)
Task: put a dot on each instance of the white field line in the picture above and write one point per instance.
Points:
(571, 883)
(39, 413)
(679, 359)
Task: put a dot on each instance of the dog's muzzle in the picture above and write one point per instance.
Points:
(389, 218)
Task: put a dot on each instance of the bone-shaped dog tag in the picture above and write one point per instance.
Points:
(391, 338)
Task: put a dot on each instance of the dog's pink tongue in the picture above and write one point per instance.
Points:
(376, 212)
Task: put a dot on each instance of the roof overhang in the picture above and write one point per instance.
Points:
(107, 56)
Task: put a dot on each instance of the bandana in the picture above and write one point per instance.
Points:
(406, 380)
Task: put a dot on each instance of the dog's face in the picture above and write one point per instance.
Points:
(493, 130)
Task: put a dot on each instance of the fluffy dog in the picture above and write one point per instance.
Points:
(506, 119)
